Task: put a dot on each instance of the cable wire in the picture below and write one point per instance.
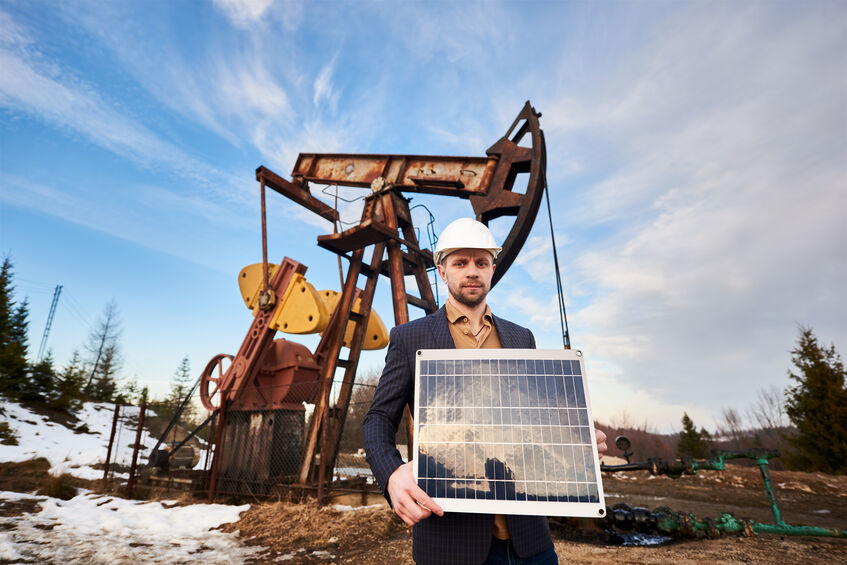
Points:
(563, 317)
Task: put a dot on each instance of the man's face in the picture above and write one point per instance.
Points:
(467, 274)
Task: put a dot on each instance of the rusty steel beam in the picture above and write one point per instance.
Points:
(489, 182)
(342, 403)
(451, 176)
(326, 355)
(427, 298)
(297, 193)
(395, 264)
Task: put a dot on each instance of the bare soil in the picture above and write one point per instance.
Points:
(305, 533)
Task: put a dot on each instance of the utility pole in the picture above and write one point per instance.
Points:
(56, 294)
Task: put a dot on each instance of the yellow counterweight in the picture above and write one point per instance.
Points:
(376, 336)
(303, 310)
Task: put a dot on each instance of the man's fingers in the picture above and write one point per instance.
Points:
(411, 511)
(414, 505)
(600, 436)
(411, 503)
(424, 501)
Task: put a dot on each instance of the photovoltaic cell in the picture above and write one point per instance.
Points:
(506, 431)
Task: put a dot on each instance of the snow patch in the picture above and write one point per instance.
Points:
(92, 528)
(68, 450)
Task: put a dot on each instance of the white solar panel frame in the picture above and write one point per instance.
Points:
(523, 507)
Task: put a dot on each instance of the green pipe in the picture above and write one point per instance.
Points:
(671, 522)
(766, 477)
(787, 529)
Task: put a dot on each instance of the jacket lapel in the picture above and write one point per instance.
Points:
(439, 330)
(507, 338)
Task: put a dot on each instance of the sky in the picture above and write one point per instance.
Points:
(696, 160)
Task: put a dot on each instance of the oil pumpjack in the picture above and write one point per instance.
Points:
(257, 396)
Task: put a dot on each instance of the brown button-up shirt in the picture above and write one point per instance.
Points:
(464, 338)
(463, 335)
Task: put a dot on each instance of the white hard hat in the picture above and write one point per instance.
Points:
(465, 233)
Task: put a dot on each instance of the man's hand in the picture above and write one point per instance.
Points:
(601, 442)
(410, 502)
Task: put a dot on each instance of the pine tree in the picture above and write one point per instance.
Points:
(41, 384)
(105, 385)
(71, 380)
(691, 442)
(817, 405)
(132, 393)
(180, 387)
(13, 335)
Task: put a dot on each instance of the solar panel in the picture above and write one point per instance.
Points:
(506, 431)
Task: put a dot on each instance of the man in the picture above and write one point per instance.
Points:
(465, 257)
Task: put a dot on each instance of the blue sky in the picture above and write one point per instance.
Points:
(697, 162)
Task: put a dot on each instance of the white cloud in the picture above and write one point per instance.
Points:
(724, 211)
(239, 87)
(11, 34)
(324, 90)
(243, 13)
(62, 100)
(536, 256)
(252, 88)
(537, 312)
(465, 32)
(248, 15)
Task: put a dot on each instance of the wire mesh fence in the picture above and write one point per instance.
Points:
(122, 442)
(183, 435)
(260, 446)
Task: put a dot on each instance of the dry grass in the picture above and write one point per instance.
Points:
(285, 527)
(33, 475)
(60, 486)
(7, 434)
(23, 476)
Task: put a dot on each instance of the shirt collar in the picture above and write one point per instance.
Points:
(454, 315)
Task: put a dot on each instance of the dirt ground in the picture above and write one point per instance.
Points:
(304, 533)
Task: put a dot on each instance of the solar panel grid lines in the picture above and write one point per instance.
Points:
(506, 431)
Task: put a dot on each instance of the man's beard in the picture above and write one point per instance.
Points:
(469, 301)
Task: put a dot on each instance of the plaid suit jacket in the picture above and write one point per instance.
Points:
(456, 538)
